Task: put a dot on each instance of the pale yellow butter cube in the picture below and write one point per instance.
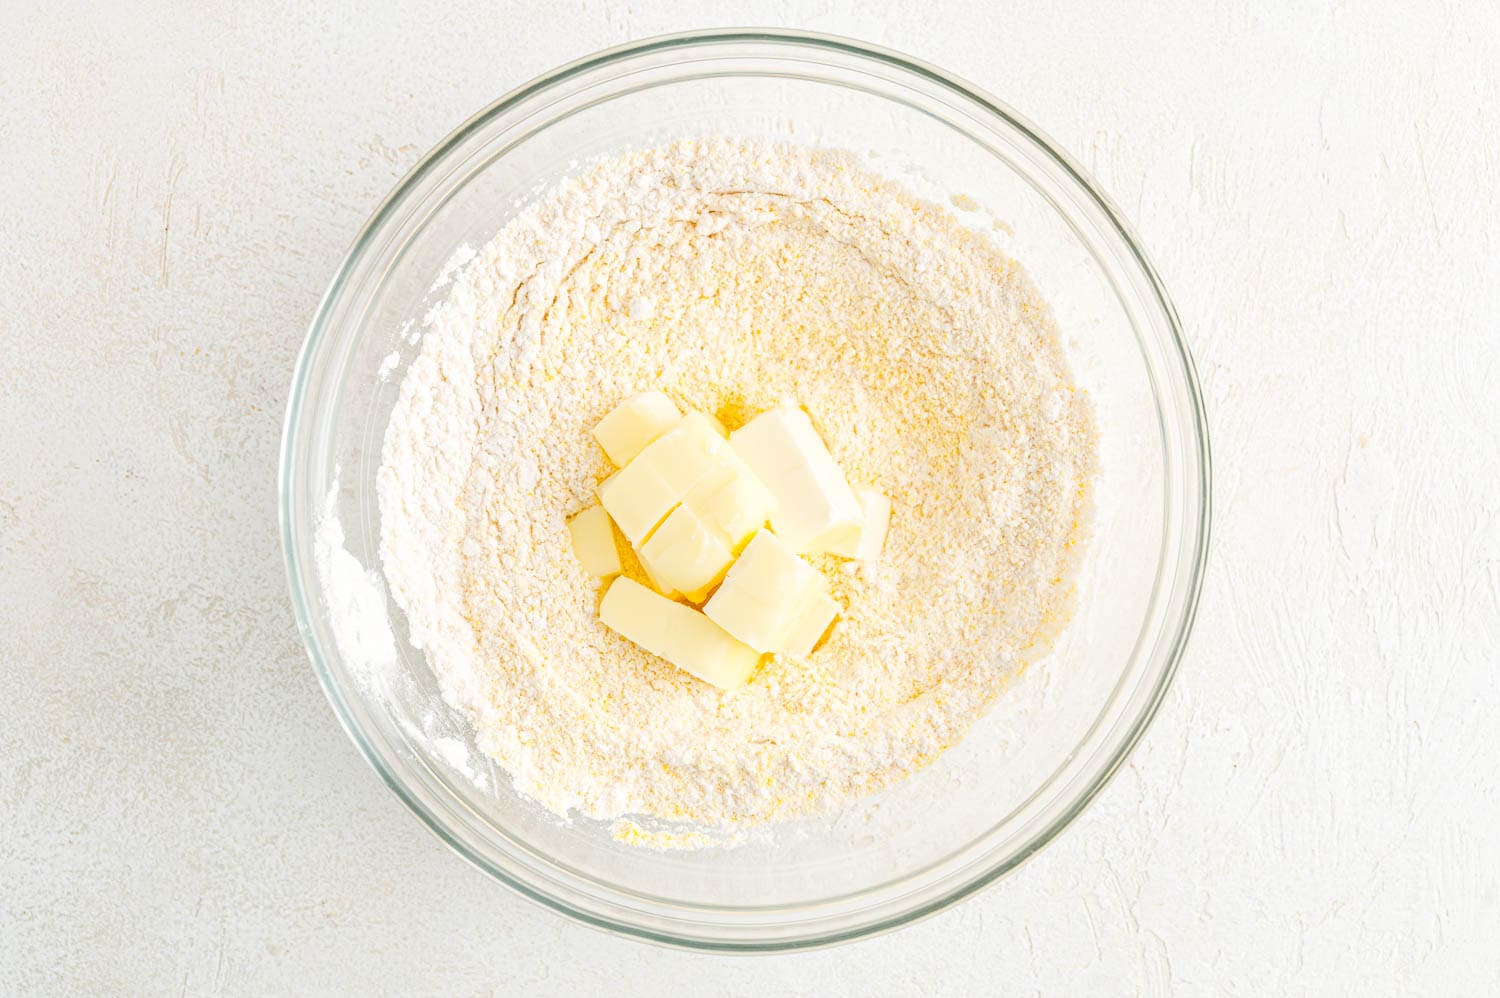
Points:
(679, 634)
(735, 503)
(594, 542)
(638, 498)
(768, 565)
(657, 584)
(633, 424)
(685, 555)
(737, 609)
(685, 455)
(813, 499)
(813, 618)
(761, 599)
(864, 541)
(637, 614)
(709, 421)
(640, 495)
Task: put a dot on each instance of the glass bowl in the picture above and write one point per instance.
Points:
(1061, 729)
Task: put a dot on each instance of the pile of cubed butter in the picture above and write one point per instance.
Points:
(694, 501)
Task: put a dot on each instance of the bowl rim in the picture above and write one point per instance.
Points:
(1176, 634)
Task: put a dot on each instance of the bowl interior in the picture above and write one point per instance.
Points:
(1030, 764)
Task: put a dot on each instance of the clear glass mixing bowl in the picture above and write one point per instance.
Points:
(1063, 727)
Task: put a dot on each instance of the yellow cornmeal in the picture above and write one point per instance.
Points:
(734, 276)
(631, 833)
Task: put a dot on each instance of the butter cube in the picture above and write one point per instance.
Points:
(679, 634)
(865, 541)
(656, 583)
(708, 421)
(772, 600)
(768, 568)
(640, 495)
(813, 500)
(686, 555)
(734, 503)
(813, 618)
(686, 454)
(633, 424)
(638, 498)
(594, 542)
(636, 613)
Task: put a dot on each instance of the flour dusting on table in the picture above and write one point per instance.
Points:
(734, 275)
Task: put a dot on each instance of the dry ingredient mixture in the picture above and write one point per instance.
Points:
(735, 276)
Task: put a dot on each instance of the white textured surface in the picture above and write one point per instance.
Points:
(1315, 809)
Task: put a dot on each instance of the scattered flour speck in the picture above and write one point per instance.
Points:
(390, 363)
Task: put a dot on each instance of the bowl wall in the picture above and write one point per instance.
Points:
(1065, 724)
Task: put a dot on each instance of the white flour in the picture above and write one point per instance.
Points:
(733, 275)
